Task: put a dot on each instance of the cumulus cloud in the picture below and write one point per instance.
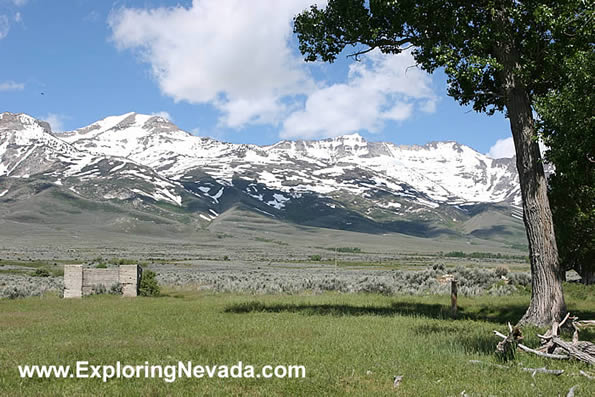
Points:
(56, 121)
(378, 89)
(233, 54)
(11, 86)
(240, 57)
(502, 148)
(19, 3)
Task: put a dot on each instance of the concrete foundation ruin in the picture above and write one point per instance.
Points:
(80, 281)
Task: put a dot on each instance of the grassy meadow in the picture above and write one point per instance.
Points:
(350, 344)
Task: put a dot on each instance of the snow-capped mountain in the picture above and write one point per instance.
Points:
(143, 158)
(444, 171)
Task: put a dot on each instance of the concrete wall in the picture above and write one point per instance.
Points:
(80, 281)
(73, 281)
(94, 277)
(129, 276)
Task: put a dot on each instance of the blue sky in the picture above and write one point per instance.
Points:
(226, 69)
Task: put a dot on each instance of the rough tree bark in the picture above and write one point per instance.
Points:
(547, 300)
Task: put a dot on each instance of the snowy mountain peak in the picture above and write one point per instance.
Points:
(350, 138)
(33, 128)
(125, 135)
(27, 145)
(434, 174)
(119, 123)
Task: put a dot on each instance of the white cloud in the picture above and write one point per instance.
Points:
(18, 17)
(11, 86)
(238, 56)
(380, 88)
(502, 148)
(233, 54)
(163, 114)
(56, 121)
(19, 3)
(4, 26)
(505, 148)
(264, 110)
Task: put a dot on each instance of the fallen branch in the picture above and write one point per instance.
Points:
(544, 371)
(542, 354)
(571, 391)
(585, 323)
(565, 319)
(586, 375)
(552, 346)
(533, 370)
(507, 347)
(489, 364)
(501, 335)
(529, 350)
(574, 351)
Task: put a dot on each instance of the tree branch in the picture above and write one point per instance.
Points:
(372, 45)
(529, 350)
(356, 55)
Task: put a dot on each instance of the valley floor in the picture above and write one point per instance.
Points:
(350, 344)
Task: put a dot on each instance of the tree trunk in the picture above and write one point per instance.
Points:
(547, 300)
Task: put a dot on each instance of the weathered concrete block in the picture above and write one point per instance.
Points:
(73, 281)
(92, 278)
(129, 276)
(80, 281)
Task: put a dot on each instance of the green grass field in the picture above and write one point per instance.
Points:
(349, 344)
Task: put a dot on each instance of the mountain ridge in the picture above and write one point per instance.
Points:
(146, 161)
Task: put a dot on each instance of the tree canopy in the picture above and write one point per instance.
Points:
(459, 36)
(566, 123)
(499, 55)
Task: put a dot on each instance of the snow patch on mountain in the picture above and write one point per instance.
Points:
(151, 149)
(278, 201)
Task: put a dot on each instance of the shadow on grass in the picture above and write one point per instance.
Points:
(467, 339)
(169, 295)
(500, 314)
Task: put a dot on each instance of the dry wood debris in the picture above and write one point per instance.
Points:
(552, 345)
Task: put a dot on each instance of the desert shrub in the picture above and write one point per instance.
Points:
(98, 289)
(148, 284)
(522, 279)
(349, 249)
(315, 258)
(501, 271)
(101, 266)
(225, 258)
(472, 281)
(455, 254)
(115, 289)
(501, 288)
(15, 293)
(40, 273)
(439, 267)
(482, 255)
(123, 261)
(14, 286)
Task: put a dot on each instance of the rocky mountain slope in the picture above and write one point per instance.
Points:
(146, 164)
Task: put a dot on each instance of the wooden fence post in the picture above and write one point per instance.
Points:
(453, 297)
